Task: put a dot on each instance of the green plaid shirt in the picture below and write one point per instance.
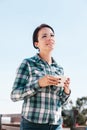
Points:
(41, 105)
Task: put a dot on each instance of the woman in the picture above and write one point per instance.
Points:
(36, 83)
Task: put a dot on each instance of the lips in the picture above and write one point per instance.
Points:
(50, 45)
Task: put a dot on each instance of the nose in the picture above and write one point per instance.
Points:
(50, 37)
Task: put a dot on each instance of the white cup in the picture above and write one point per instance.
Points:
(62, 80)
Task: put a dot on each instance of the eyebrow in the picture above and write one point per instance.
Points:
(46, 33)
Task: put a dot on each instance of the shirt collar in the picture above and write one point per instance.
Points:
(38, 59)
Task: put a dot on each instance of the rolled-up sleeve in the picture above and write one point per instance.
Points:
(63, 96)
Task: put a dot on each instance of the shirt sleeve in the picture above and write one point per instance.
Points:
(63, 96)
(22, 87)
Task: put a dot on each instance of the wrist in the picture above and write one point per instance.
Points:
(67, 91)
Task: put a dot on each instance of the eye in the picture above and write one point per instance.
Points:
(44, 36)
(52, 35)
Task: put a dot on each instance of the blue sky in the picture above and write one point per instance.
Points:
(19, 18)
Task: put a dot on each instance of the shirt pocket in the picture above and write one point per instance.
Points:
(38, 72)
(56, 71)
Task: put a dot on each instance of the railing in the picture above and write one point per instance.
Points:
(13, 124)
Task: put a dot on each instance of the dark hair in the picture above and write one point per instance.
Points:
(35, 33)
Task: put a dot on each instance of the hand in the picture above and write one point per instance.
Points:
(66, 86)
(48, 80)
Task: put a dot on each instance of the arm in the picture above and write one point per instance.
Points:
(22, 86)
(63, 96)
(65, 92)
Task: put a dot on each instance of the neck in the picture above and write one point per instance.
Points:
(46, 57)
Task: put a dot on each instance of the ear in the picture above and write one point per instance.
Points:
(36, 44)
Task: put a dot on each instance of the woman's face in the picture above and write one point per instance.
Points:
(46, 40)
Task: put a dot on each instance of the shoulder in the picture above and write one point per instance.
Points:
(30, 61)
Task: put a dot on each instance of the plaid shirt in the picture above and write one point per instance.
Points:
(41, 105)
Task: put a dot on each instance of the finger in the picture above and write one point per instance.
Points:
(54, 78)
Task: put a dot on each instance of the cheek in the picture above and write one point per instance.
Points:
(54, 40)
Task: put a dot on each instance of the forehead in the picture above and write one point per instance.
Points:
(45, 30)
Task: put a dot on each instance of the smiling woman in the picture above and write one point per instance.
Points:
(40, 33)
(46, 39)
(36, 84)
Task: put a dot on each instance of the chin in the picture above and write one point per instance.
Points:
(50, 49)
